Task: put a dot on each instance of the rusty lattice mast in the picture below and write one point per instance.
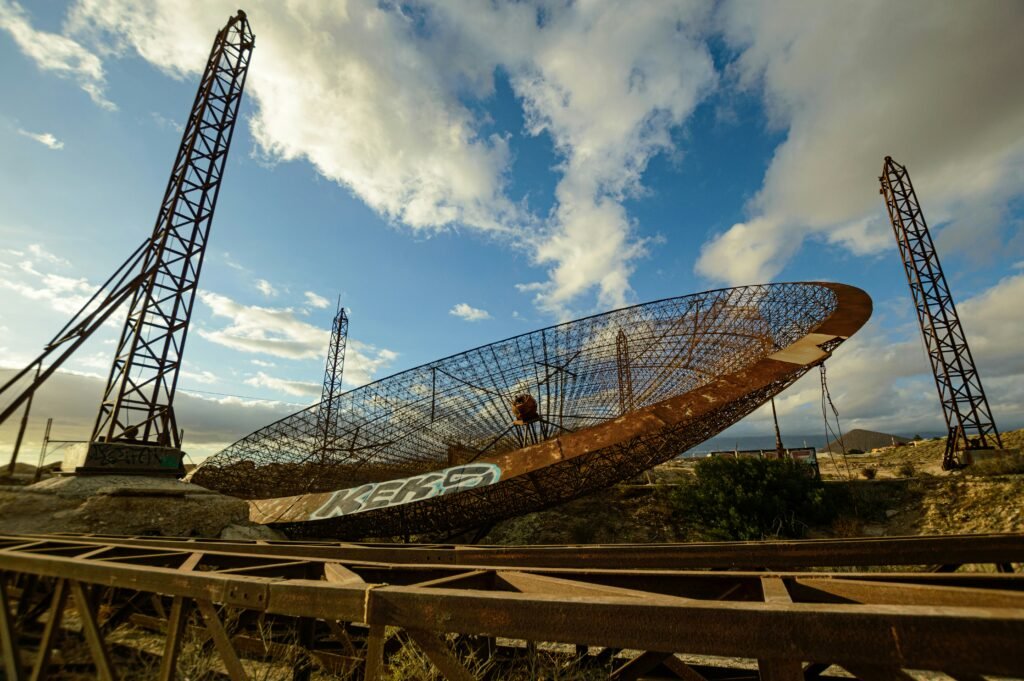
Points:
(137, 403)
(327, 413)
(964, 405)
(160, 276)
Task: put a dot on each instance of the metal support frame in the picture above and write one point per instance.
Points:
(946, 552)
(965, 408)
(344, 611)
(327, 410)
(682, 369)
(137, 403)
(160, 276)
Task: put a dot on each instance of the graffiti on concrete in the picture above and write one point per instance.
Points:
(407, 490)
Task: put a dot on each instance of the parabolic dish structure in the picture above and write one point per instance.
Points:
(532, 421)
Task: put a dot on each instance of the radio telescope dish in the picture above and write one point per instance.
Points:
(538, 419)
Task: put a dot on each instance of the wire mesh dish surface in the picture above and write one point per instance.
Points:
(537, 419)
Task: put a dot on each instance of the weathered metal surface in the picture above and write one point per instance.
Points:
(933, 550)
(159, 278)
(696, 364)
(341, 611)
(120, 458)
(137, 404)
(965, 408)
(326, 415)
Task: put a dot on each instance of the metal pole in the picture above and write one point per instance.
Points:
(42, 450)
(22, 427)
(778, 435)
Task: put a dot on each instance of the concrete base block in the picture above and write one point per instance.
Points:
(968, 456)
(123, 458)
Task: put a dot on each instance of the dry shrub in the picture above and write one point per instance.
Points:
(847, 526)
(748, 499)
(869, 472)
(907, 470)
(1007, 464)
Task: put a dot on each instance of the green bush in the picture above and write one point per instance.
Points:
(753, 498)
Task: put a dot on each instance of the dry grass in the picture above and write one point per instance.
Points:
(1009, 464)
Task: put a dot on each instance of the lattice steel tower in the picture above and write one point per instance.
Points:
(137, 403)
(327, 414)
(964, 405)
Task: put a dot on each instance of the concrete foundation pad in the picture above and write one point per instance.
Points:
(123, 485)
(977, 455)
(114, 458)
(119, 504)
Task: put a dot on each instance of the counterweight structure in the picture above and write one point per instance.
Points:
(964, 405)
(160, 277)
(327, 413)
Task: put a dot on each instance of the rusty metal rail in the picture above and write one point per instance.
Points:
(939, 551)
(339, 614)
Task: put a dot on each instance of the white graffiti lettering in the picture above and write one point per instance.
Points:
(407, 490)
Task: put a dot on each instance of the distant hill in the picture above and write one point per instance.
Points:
(864, 440)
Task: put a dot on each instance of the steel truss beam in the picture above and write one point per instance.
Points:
(965, 408)
(947, 551)
(341, 614)
(138, 400)
(160, 276)
(327, 413)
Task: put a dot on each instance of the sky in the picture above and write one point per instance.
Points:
(459, 172)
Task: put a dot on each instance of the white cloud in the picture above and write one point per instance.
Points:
(298, 388)
(748, 253)
(31, 275)
(381, 99)
(63, 294)
(97, 360)
(924, 82)
(57, 53)
(202, 377)
(166, 123)
(261, 363)
(230, 262)
(210, 423)
(279, 333)
(314, 300)
(266, 288)
(45, 138)
(993, 321)
(39, 253)
(470, 314)
(608, 83)
(268, 330)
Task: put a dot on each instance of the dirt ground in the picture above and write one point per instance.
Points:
(892, 462)
(113, 504)
(909, 494)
